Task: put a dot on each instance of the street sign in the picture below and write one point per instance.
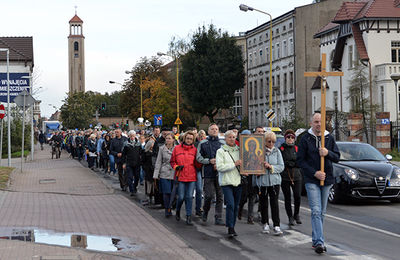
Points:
(178, 121)
(17, 84)
(29, 100)
(385, 121)
(157, 119)
(2, 111)
(270, 115)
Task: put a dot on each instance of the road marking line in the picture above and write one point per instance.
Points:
(354, 223)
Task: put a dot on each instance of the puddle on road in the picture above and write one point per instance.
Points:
(74, 240)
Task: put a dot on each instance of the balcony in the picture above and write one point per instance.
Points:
(383, 71)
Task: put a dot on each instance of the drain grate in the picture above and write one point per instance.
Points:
(47, 181)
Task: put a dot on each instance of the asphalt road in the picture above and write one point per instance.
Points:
(356, 230)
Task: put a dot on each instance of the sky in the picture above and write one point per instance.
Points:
(117, 34)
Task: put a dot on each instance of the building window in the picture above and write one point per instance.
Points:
(255, 89)
(382, 99)
(273, 53)
(284, 51)
(266, 36)
(267, 54)
(261, 88)
(262, 117)
(291, 88)
(256, 118)
(260, 39)
(273, 81)
(395, 51)
(278, 84)
(260, 54)
(76, 46)
(255, 59)
(267, 89)
(278, 51)
(251, 119)
(76, 55)
(284, 28)
(350, 56)
(254, 40)
(277, 30)
(290, 25)
(251, 59)
(284, 83)
(251, 90)
(335, 100)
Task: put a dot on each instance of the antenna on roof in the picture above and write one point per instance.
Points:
(75, 9)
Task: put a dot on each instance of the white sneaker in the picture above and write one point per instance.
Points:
(277, 231)
(266, 229)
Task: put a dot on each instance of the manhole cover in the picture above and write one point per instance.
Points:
(47, 181)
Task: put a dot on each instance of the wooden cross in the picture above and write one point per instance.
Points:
(323, 74)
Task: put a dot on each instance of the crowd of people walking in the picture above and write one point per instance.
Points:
(177, 168)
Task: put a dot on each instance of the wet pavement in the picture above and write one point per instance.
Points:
(59, 208)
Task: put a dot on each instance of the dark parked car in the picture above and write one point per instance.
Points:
(364, 173)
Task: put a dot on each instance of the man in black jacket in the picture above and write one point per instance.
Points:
(116, 146)
(206, 152)
(308, 159)
(131, 162)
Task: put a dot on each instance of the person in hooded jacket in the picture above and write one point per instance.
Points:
(183, 161)
(269, 183)
(92, 148)
(164, 172)
(291, 177)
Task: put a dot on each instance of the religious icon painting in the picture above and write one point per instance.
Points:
(252, 154)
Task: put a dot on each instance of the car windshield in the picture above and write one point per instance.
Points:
(359, 152)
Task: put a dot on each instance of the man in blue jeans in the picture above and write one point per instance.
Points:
(308, 158)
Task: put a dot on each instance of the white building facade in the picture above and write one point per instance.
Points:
(367, 32)
(258, 66)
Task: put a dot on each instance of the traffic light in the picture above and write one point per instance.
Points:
(103, 106)
(127, 122)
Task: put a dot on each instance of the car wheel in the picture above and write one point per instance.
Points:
(334, 197)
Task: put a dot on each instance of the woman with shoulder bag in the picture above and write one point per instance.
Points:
(229, 178)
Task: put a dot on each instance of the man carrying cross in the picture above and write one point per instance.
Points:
(317, 151)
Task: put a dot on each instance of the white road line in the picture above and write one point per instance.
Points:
(354, 223)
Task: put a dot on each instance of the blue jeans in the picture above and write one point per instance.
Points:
(141, 174)
(112, 163)
(318, 200)
(185, 192)
(232, 197)
(199, 191)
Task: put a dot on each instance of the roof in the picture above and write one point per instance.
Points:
(367, 9)
(349, 10)
(330, 26)
(21, 48)
(76, 19)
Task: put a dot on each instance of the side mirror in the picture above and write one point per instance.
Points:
(388, 157)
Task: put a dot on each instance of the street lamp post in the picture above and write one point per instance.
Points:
(246, 8)
(8, 108)
(177, 82)
(30, 91)
(396, 77)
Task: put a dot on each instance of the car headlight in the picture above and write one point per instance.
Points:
(396, 173)
(352, 174)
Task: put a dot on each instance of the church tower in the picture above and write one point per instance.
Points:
(76, 56)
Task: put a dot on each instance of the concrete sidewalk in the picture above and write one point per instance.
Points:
(64, 197)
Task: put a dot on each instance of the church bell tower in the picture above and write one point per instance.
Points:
(76, 56)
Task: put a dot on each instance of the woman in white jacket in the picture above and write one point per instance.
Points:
(227, 163)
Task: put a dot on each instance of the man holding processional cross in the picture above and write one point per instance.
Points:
(317, 151)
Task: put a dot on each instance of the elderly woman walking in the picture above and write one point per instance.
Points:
(92, 151)
(269, 184)
(183, 161)
(227, 163)
(164, 172)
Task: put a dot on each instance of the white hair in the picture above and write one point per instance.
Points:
(230, 132)
(131, 132)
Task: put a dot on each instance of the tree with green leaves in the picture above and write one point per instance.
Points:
(77, 110)
(212, 71)
(294, 121)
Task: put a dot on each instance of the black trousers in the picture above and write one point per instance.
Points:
(273, 193)
(248, 196)
(287, 186)
(121, 175)
(211, 190)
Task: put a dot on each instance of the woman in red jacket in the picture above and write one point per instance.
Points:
(183, 160)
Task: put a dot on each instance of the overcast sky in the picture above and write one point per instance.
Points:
(117, 33)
